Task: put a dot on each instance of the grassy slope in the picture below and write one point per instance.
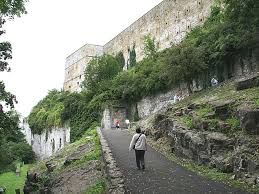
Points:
(12, 182)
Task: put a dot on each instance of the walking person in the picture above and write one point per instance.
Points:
(138, 143)
(117, 124)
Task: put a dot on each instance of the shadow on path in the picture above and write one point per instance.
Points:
(161, 175)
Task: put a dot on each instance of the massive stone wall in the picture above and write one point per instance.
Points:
(168, 23)
(76, 64)
(49, 142)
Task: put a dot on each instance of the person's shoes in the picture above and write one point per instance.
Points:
(138, 168)
(143, 167)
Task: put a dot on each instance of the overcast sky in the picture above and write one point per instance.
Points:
(52, 30)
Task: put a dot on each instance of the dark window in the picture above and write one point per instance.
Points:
(60, 143)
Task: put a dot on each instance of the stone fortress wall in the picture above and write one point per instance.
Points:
(49, 142)
(168, 23)
(75, 66)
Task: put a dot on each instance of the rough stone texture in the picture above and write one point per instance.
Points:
(76, 181)
(222, 108)
(114, 175)
(168, 22)
(249, 120)
(76, 64)
(49, 142)
(156, 103)
(77, 154)
(246, 83)
(229, 155)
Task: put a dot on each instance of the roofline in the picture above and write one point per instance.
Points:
(135, 22)
(82, 47)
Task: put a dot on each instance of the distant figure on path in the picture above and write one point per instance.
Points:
(117, 124)
(175, 98)
(138, 143)
(214, 82)
(127, 122)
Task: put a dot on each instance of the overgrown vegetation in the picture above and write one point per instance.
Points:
(13, 147)
(212, 49)
(98, 188)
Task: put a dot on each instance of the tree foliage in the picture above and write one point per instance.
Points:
(100, 71)
(132, 57)
(47, 113)
(12, 144)
(150, 49)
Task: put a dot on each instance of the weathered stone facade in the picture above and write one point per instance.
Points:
(76, 64)
(47, 143)
(168, 23)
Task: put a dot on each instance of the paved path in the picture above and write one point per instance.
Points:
(161, 175)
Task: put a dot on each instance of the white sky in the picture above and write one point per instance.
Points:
(52, 30)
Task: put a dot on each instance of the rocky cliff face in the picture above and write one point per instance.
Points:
(218, 128)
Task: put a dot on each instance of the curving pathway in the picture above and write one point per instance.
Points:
(161, 175)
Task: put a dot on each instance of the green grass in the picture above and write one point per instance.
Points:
(12, 182)
(234, 123)
(202, 112)
(187, 120)
(98, 188)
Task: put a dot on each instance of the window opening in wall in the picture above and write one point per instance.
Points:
(69, 87)
(78, 83)
(60, 142)
(80, 76)
(158, 45)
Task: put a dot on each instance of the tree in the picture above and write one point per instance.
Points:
(186, 63)
(150, 49)
(10, 132)
(132, 56)
(99, 72)
(120, 58)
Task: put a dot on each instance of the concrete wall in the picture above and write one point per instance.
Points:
(168, 23)
(76, 64)
(49, 142)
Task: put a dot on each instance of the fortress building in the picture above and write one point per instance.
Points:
(168, 23)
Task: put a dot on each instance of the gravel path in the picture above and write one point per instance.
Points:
(161, 175)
